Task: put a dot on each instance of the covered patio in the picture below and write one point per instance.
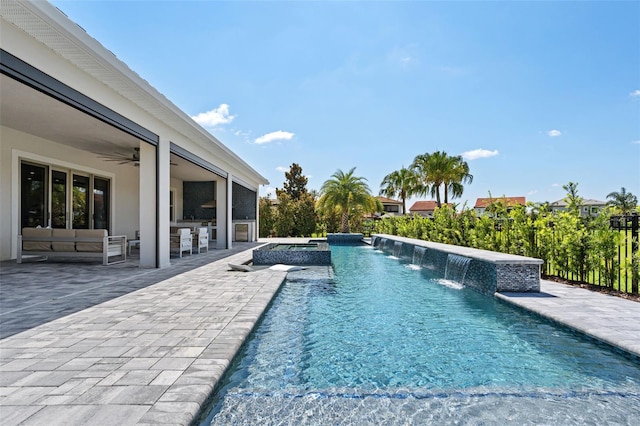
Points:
(87, 143)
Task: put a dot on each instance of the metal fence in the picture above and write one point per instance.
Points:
(628, 260)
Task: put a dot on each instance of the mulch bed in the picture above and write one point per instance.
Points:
(593, 287)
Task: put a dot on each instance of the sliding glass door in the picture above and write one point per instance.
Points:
(61, 198)
(33, 195)
(80, 201)
(58, 199)
(100, 203)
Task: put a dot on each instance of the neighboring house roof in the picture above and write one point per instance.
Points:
(509, 201)
(588, 202)
(385, 200)
(423, 206)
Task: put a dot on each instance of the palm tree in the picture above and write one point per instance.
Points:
(623, 200)
(459, 174)
(429, 168)
(345, 192)
(401, 183)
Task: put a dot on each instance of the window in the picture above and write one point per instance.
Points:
(58, 198)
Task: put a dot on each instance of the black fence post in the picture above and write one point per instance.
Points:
(635, 268)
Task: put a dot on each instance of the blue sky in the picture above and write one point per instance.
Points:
(532, 94)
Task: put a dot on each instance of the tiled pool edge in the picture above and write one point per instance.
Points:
(488, 271)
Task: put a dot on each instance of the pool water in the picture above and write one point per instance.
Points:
(377, 341)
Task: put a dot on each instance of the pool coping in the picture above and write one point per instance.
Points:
(474, 253)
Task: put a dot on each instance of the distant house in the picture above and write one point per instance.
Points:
(482, 203)
(424, 208)
(391, 207)
(589, 207)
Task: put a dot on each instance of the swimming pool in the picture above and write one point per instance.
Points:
(374, 340)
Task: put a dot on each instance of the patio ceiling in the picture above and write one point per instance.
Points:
(28, 110)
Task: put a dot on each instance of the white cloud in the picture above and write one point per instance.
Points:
(554, 133)
(282, 169)
(635, 93)
(636, 142)
(479, 153)
(275, 136)
(215, 117)
(556, 185)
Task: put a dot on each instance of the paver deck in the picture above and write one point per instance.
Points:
(153, 354)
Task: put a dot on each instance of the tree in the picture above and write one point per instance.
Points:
(573, 200)
(624, 201)
(295, 184)
(401, 183)
(441, 170)
(296, 206)
(305, 217)
(267, 217)
(457, 176)
(284, 224)
(345, 192)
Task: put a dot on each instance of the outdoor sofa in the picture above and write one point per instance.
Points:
(84, 243)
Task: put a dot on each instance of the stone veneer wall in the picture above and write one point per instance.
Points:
(345, 239)
(488, 272)
(266, 256)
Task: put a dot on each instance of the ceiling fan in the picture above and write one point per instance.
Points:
(120, 158)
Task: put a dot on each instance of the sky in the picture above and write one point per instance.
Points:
(532, 94)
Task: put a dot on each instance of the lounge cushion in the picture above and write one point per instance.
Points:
(67, 246)
(286, 268)
(36, 245)
(90, 233)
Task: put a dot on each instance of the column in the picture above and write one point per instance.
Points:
(221, 214)
(147, 220)
(230, 211)
(164, 219)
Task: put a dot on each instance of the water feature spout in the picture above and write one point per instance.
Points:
(456, 268)
(397, 248)
(418, 255)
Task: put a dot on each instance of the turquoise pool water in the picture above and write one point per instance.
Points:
(377, 341)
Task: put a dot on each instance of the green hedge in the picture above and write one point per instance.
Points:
(573, 248)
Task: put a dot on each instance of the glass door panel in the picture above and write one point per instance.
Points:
(80, 202)
(33, 195)
(58, 199)
(100, 203)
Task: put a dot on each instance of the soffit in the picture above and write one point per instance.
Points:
(52, 28)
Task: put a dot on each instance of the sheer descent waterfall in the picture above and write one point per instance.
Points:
(397, 246)
(418, 254)
(456, 268)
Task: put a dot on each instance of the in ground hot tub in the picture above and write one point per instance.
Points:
(312, 253)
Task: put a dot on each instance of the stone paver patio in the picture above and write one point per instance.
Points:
(120, 345)
(151, 356)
